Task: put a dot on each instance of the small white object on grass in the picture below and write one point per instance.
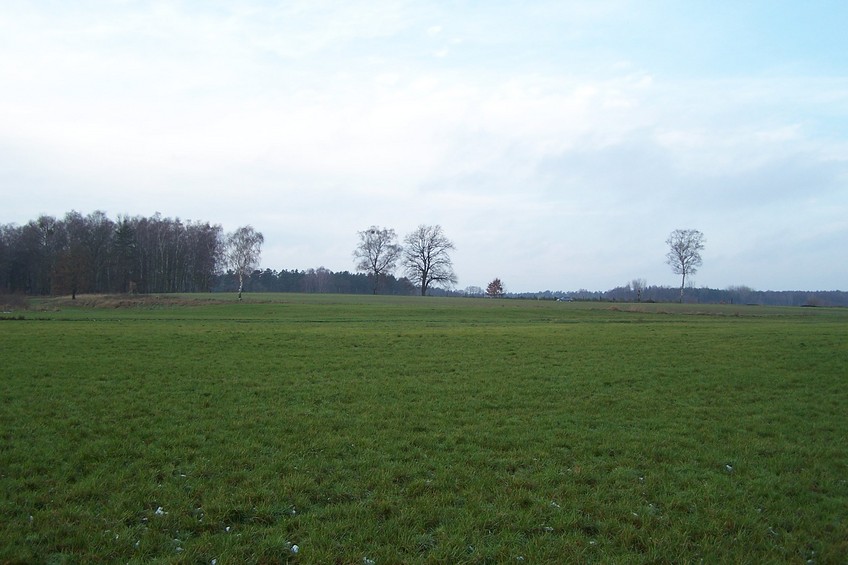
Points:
(295, 548)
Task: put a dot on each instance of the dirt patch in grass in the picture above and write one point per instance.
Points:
(13, 302)
(126, 301)
(718, 310)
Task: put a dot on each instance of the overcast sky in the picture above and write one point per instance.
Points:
(556, 143)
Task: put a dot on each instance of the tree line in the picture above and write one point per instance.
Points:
(313, 280)
(694, 295)
(94, 254)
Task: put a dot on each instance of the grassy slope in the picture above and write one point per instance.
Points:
(423, 430)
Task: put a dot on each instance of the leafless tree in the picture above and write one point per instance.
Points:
(473, 291)
(243, 250)
(495, 289)
(638, 286)
(426, 257)
(684, 253)
(377, 253)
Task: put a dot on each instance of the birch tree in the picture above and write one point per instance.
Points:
(243, 250)
(684, 254)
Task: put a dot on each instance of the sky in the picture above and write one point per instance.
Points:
(557, 143)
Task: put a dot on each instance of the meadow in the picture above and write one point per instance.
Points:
(371, 430)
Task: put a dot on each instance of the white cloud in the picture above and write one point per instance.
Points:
(553, 162)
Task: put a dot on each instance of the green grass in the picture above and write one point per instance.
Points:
(422, 430)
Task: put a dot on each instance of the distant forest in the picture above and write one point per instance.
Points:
(732, 295)
(94, 254)
(320, 280)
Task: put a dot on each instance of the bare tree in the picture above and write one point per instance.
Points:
(495, 289)
(473, 291)
(426, 259)
(684, 253)
(638, 286)
(73, 267)
(377, 253)
(243, 251)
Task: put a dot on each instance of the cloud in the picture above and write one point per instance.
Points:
(555, 150)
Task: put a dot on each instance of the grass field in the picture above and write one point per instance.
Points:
(340, 429)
